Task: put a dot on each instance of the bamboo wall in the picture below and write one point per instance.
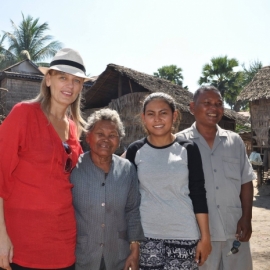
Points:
(187, 119)
(260, 122)
(128, 107)
(18, 90)
(3, 98)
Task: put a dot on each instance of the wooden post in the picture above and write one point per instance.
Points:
(3, 101)
(130, 86)
(259, 175)
(119, 86)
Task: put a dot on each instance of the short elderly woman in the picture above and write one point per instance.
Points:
(106, 200)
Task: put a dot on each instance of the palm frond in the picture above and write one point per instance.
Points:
(29, 36)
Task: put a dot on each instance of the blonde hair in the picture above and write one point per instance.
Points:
(74, 110)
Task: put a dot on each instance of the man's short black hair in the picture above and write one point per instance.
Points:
(202, 89)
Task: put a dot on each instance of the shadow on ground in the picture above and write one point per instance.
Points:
(261, 201)
(261, 195)
(261, 260)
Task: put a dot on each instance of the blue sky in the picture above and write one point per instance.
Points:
(147, 34)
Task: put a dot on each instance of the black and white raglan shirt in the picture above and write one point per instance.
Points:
(171, 186)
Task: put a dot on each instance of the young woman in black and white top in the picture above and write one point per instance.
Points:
(173, 207)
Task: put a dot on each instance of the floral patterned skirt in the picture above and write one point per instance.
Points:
(160, 254)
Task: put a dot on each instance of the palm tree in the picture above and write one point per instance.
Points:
(219, 73)
(251, 71)
(6, 58)
(28, 41)
(248, 75)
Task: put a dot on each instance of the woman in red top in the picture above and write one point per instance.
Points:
(39, 147)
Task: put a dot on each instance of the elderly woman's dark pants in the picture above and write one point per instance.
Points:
(102, 264)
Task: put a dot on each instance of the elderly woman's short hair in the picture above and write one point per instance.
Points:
(105, 114)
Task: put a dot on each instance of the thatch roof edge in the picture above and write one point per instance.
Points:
(258, 88)
(134, 74)
(239, 119)
(124, 71)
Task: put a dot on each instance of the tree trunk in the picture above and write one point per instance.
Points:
(237, 106)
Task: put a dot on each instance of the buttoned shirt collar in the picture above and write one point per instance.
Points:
(194, 133)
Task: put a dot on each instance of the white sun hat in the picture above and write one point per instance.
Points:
(69, 61)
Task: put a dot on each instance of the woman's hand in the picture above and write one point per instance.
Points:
(6, 250)
(132, 260)
(203, 250)
(204, 245)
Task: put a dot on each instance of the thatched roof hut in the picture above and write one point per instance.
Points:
(258, 88)
(237, 117)
(117, 81)
(257, 92)
(123, 89)
(22, 80)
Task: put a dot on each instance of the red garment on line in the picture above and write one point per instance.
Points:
(38, 209)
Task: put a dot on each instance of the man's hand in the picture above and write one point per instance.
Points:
(244, 228)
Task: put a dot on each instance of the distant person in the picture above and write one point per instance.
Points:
(173, 204)
(106, 200)
(228, 181)
(39, 147)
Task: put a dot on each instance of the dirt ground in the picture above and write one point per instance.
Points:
(260, 239)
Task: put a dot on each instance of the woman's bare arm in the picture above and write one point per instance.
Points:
(6, 248)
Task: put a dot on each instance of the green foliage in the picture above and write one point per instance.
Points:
(219, 73)
(27, 41)
(243, 105)
(6, 58)
(171, 73)
(248, 75)
(242, 128)
(251, 71)
(234, 87)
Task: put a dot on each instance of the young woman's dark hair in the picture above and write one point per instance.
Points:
(169, 100)
(163, 96)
